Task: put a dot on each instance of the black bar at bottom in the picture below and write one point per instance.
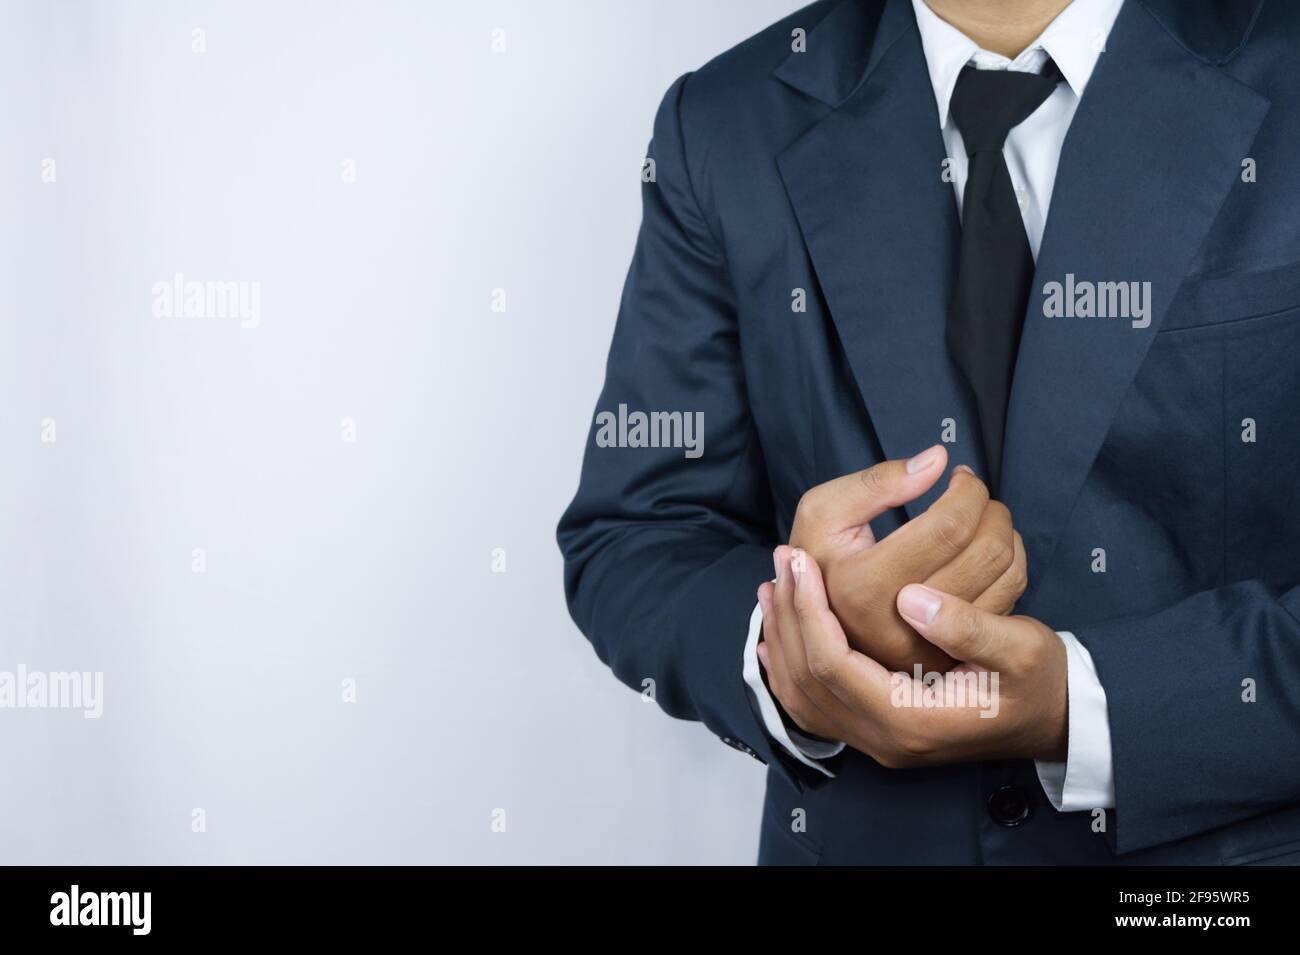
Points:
(207, 904)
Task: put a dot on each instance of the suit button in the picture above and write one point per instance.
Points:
(1009, 806)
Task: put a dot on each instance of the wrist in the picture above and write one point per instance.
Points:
(1054, 743)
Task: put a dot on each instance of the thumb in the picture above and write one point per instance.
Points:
(862, 496)
(963, 631)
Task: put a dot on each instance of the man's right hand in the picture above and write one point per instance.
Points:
(963, 545)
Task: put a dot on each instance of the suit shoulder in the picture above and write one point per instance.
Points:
(742, 76)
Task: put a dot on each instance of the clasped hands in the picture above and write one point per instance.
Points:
(849, 618)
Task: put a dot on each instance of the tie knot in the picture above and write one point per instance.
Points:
(988, 104)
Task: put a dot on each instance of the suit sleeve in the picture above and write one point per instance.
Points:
(1204, 703)
(664, 552)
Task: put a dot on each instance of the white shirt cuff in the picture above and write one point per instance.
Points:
(1086, 780)
(801, 747)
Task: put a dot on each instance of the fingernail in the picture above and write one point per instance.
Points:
(919, 603)
(923, 460)
(776, 564)
(963, 467)
(796, 565)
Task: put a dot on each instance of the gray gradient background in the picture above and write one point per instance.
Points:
(328, 560)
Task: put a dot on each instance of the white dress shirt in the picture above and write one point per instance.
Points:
(1074, 41)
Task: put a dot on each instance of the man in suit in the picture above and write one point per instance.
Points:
(1060, 241)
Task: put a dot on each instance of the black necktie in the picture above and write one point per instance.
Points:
(996, 266)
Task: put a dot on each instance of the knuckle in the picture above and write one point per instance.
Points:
(800, 678)
(951, 532)
(1017, 579)
(888, 759)
(905, 746)
(1001, 602)
(810, 506)
(968, 519)
(979, 488)
(824, 669)
(1001, 512)
(997, 553)
(996, 602)
(873, 480)
(1021, 659)
(915, 747)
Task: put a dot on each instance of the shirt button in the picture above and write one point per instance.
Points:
(1009, 806)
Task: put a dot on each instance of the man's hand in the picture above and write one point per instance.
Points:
(963, 544)
(833, 691)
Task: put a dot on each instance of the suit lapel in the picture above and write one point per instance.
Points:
(1154, 148)
(880, 224)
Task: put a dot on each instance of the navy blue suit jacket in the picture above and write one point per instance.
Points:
(777, 170)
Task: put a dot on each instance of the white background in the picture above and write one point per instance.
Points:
(327, 560)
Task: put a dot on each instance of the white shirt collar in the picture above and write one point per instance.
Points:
(1074, 41)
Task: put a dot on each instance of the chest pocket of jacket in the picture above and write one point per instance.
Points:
(1237, 297)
